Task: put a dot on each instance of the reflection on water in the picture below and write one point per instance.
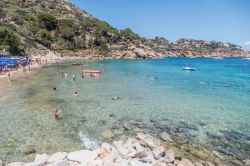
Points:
(208, 107)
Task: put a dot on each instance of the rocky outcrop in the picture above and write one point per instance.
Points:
(140, 151)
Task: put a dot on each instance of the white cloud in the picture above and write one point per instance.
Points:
(247, 43)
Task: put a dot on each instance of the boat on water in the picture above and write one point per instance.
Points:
(189, 68)
(218, 58)
(246, 59)
(91, 71)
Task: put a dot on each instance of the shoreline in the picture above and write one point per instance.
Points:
(135, 151)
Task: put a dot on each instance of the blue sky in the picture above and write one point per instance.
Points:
(222, 20)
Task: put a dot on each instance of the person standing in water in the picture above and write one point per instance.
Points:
(82, 75)
(58, 114)
(73, 76)
(76, 93)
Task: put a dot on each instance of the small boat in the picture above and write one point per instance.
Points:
(218, 58)
(92, 71)
(189, 68)
(246, 59)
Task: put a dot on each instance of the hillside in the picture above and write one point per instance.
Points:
(61, 26)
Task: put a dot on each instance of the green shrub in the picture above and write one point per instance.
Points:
(9, 38)
(129, 34)
(48, 21)
(44, 37)
(29, 18)
(67, 32)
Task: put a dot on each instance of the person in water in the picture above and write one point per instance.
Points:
(58, 114)
(82, 75)
(76, 93)
(74, 77)
(55, 89)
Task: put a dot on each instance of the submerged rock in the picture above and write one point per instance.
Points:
(165, 136)
(118, 131)
(127, 125)
(148, 140)
(107, 134)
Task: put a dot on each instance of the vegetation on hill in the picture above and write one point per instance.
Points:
(59, 25)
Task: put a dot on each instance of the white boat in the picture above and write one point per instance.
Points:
(218, 58)
(246, 59)
(189, 68)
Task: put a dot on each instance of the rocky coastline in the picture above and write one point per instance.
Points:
(135, 151)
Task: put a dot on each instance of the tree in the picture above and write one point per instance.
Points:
(48, 21)
(9, 38)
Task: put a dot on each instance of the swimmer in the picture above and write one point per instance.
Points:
(74, 77)
(55, 89)
(76, 93)
(58, 114)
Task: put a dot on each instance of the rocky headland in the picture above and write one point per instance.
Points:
(62, 27)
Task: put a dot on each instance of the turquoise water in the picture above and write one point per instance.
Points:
(209, 107)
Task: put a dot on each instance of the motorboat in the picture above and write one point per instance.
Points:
(189, 68)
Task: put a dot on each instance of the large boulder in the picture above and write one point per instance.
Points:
(148, 140)
(16, 164)
(82, 156)
(159, 152)
(185, 162)
(169, 156)
(165, 136)
(59, 156)
(41, 159)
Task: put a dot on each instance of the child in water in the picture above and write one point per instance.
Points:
(58, 114)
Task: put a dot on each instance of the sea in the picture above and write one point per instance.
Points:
(208, 108)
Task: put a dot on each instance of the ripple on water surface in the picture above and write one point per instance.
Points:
(208, 107)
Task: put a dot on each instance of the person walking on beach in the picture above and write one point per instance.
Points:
(9, 75)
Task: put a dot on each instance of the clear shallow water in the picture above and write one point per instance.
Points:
(209, 107)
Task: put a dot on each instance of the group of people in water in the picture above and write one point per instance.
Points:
(58, 113)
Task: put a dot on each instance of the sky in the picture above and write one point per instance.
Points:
(221, 20)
